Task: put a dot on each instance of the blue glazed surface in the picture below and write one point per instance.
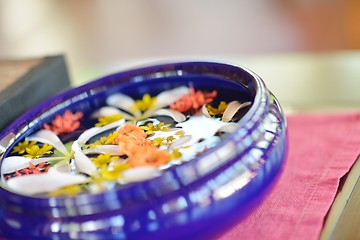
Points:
(197, 199)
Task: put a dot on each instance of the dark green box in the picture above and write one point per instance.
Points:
(25, 83)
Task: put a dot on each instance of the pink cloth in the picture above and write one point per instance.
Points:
(322, 150)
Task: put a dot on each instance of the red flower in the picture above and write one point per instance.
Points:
(66, 123)
(32, 169)
(193, 101)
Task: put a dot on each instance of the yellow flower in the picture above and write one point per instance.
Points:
(175, 154)
(217, 111)
(35, 151)
(103, 160)
(114, 173)
(21, 147)
(170, 139)
(67, 191)
(180, 133)
(147, 102)
(108, 119)
(150, 128)
(158, 141)
(110, 139)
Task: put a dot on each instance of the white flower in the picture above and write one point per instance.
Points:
(57, 178)
(134, 110)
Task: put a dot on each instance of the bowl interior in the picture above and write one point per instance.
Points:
(91, 97)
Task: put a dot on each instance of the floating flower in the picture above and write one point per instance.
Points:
(110, 139)
(82, 163)
(232, 109)
(182, 105)
(146, 103)
(130, 130)
(115, 172)
(193, 101)
(228, 111)
(129, 145)
(217, 111)
(21, 147)
(35, 151)
(176, 154)
(32, 169)
(162, 141)
(139, 174)
(140, 151)
(131, 138)
(43, 183)
(66, 123)
(71, 190)
(149, 156)
(102, 121)
(103, 160)
(136, 110)
(150, 128)
(159, 141)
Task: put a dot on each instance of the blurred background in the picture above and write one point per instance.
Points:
(307, 51)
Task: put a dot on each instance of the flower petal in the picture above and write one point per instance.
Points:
(122, 101)
(139, 174)
(82, 162)
(229, 128)
(91, 132)
(114, 150)
(167, 97)
(13, 163)
(177, 143)
(63, 167)
(105, 111)
(177, 116)
(86, 135)
(205, 112)
(195, 127)
(49, 137)
(232, 109)
(45, 182)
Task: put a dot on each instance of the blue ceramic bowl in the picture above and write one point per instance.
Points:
(197, 199)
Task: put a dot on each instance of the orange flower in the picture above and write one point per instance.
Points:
(149, 156)
(66, 123)
(130, 138)
(131, 130)
(193, 101)
(130, 145)
(140, 151)
(133, 142)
